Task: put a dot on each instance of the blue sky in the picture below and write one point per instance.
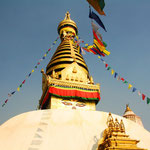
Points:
(28, 28)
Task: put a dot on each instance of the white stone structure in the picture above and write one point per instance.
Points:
(59, 129)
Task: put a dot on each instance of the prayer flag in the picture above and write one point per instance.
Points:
(99, 44)
(104, 62)
(125, 82)
(94, 26)
(139, 93)
(9, 94)
(49, 49)
(38, 63)
(43, 57)
(92, 15)
(35, 67)
(130, 86)
(29, 74)
(118, 78)
(122, 79)
(33, 70)
(115, 75)
(3, 105)
(23, 82)
(20, 85)
(102, 4)
(83, 52)
(148, 100)
(108, 68)
(102, 59)
(106, 65)
(6, 100)
(112, 71)
(99, 35)
(104, 44)
(18, 89)
(13, 92)
(134, 89)
(143, 97)
(98, 5)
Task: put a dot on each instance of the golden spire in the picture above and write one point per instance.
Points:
(67, 70)
(67, 25)
(67, 52)
(128, 108)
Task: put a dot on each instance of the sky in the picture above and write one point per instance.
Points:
(29, 27)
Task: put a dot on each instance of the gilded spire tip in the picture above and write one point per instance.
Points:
(67, 17)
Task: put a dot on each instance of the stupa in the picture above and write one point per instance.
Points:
(129, 114)
(67, 83)
(67, 118)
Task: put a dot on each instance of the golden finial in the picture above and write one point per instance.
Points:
(67, 25)
(127, 108)
(67, 17)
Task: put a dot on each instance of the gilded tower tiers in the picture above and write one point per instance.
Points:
(67, 83)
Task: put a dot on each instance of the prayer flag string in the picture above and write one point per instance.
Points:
(23, 82)
(116, 75)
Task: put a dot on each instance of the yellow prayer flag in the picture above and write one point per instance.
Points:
(90, 46)
(130, 86)
(102, 48)
(18, 89)
(112, 71)
(99, 56)
(33, 70)
(45, 55)
(106, 52)
(86, 44)
(55, 42)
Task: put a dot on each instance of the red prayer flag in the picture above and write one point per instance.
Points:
(23, 82)
(143, 97)
(6, 100)
(106, 65)
(122, 79)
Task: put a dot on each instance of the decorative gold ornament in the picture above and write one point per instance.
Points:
(114, 137)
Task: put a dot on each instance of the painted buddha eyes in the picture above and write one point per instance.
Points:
(70, 104)
(80, 104)
(67, 103)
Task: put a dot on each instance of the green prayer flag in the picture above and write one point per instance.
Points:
(20, 85)
(105, 44)
(148, 100)
(125, 82)
(108, 68)
(3, 105)
(35, 66)
(47, 52)
(101, 4)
